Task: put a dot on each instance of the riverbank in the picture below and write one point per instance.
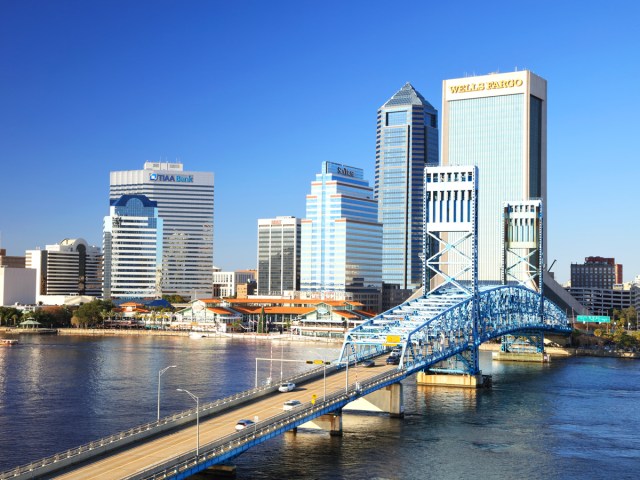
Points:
(197, 335)
(571, 352)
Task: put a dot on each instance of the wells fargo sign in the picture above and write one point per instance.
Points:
(478, 87)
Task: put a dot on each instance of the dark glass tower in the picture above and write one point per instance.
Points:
(406, 142)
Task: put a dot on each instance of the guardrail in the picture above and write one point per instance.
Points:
(232, 445)
(98, 447)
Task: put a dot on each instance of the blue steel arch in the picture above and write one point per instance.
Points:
(445, 323)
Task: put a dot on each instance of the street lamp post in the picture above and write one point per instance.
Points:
(197, 418)
(159, 375)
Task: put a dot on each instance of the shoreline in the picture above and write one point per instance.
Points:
(197, 335)
(553, 351)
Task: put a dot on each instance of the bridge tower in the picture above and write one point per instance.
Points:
(451, 247)
(523, 265)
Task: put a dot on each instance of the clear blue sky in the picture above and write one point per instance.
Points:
(261, 93)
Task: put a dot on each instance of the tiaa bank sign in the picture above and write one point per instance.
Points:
(159, 177)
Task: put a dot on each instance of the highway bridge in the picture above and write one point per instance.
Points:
(426, 331)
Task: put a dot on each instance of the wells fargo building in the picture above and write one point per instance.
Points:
(499, 123)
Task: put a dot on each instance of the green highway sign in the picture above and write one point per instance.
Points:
(593, 319)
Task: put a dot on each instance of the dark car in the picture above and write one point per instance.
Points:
(393, 360)
(368, 363)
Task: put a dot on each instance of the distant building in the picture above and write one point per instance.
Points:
(341, 248)
(13, 262)
(278, 255)
(68, 268)
(17, 285)
(602, 301)
(225, 284)
(406, 142)
(132, 249)
(596, 272)
(185, 204)
(244, 290)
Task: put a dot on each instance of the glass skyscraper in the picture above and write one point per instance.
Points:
(341, 237)
(406, 142)
(185, 203)
(499, 123)
(132, 245)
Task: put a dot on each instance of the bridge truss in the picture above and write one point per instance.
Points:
(456, 315)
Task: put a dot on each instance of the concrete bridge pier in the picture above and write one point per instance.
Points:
(331, 422)
(386, 400)
(216, 471)
(453, 380)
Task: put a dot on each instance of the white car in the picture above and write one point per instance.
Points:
(242, 424)
(286, 387)
(291, 404)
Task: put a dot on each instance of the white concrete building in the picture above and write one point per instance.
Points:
(185, 203)
(70, 267)
(17, 285)
(225, 284)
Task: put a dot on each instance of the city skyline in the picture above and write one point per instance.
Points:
(90, 89)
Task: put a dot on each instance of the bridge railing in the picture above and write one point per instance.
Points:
(105, 444)
(234, 444)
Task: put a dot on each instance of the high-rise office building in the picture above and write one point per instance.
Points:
(341, 237)
(499, 123)
(70, 267)
(185, 203)
(278, 255)
(406, 142)
(132, 248)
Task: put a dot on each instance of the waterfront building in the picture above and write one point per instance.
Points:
(596, 272)
(341, 238)
(498, 122)
(185, 204)
(225, 284)
(406, 142)
(68, 268)
(308, 317)
(132, 244)
(278, 255)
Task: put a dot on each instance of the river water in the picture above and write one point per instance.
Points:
(574, 418)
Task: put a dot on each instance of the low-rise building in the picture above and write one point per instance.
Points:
(309, 317)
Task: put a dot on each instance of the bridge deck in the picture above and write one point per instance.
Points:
(141, 456)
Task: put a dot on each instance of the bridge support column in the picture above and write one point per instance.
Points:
(388, 400)
(453, 380)
(216, 471)
(331, 422)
